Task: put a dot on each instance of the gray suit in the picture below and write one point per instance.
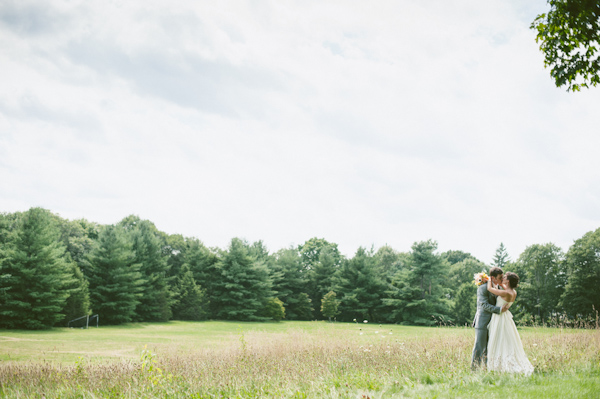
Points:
(486, 305)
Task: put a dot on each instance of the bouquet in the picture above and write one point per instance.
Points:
(480, 278)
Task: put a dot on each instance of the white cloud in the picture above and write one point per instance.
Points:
(364, 123)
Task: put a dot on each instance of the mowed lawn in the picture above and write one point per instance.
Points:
(286, 360)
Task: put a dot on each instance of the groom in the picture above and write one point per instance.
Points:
(486, 305)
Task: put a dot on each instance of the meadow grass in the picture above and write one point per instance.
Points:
(287, 360)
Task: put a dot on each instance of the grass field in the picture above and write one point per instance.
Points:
(286, 360)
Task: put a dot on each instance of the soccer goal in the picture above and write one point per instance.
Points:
(84, 321)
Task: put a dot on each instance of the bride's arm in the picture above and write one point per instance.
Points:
(496, 291)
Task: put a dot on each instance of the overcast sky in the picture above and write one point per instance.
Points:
(364, 123)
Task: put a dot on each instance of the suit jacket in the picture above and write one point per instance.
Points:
(486, 305)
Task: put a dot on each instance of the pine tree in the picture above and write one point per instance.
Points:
(243, 288)
(289, 284)
(501, 258)
(303, 306)
(37, 276)
(203, 263)
(115, 278)
(360, 288)
(417, 292)
(154, 301)
(190, 300)
(78, 303)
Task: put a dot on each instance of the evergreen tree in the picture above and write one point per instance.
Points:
(465, 304)
(36, 276)
(582, 296)
(289, 284)
(417, 292)
(501, 258)
(403, 301)
(174, 248)
(330, 305)
(244, 286)
(303, 306)
(115, 279)
(360, 288)
(322, 275)
(154, 301)
(542, 280)
(203, 263)
(78, 303)
(190, 300)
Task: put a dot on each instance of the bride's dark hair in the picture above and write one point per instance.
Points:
(513, 279)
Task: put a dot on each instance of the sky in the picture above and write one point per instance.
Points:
(364, 123)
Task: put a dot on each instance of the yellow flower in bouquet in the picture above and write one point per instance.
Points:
(480, 278)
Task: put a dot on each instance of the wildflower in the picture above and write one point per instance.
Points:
(376, 332)
(364, 321)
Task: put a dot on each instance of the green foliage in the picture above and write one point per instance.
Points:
(569, 36)
(462, 272)
(329, 305)
(78, 302)
(310, 252)
(204, 265)
(274, 309)
(115, 279)
(154, 300)
(133, 272)
(582, 296)
(290, 284)
(304, 307)
(320, 260)
(501, 258)
(360, 288)
(243, 285)
(36, 276)
(416, 294)
(465, 304)
(190, 302)
(541, 269)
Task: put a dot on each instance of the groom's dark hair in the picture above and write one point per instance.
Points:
(495, 271)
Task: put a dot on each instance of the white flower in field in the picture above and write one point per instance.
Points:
(390, 333)
(534, 344)
(365, 321)
(360, 334)
(388, 352)
(376, 332)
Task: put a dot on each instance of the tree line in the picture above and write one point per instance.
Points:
(53, 270)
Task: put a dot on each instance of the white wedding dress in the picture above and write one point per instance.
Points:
(505, 351)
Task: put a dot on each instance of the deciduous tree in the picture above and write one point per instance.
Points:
(569, 37)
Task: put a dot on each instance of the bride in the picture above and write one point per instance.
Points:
(505, 350)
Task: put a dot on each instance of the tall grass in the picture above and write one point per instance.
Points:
(324, 361)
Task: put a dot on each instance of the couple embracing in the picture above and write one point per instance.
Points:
(497, 342)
